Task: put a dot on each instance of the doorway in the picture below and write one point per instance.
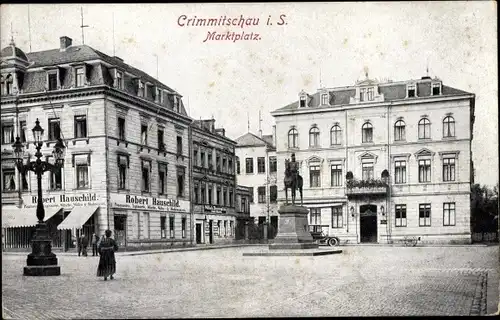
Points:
(368, 223)
(198, 233)
(210, 231)
(120, 229)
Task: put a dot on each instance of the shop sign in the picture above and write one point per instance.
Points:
(214, 209)
(383, 221)
(66, 200)
(127, 201)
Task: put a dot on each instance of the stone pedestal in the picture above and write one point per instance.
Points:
(42, 261)
(293, 229)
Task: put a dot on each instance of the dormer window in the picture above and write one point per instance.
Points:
(52, 81)
(176, 104)
(369, 93)
(8, 85)
(436, 89)
(303, 100)
(362, 93)
(324, 99)
(158, 97)
(119, 80)
(140, 91)
(80, 77)
(411, 90)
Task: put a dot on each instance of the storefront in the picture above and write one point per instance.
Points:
(214, 224)
(150, 222)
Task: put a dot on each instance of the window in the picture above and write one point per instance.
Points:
(145, 170)
(336, 175)
(224, 167)
(9, 180)
(314, 137)
(52, 81)
(273, 194)
(362, 93)
(144, 134)
(262, 194)
(224, 197)
(238, 166)
(367, 132)
(243, 204)
(324, 99)
(424, 129)
(210, 194)
(412, 90)
(399, 131)
(225, 228)
(424, 170)
(163, 227)
(202, 157)
(195, 157)
(171, 223)
(424, 215)
(80, 126)
(162, 179)
(209, 160)
(180, 181)
(218, 195)
(448, 127)
(7, 133)
(121, 128)
(314, 178)
(218, 228)
(161, 144)
(303, 101)
(196, 196)
(448, 169)
(400, 171)
(119, 80)
(179, 148)
(273, 165)
(315, 216)
(337, 221)
(146, 225)
(230, 166)
(369, 92)
(436, 89)
(251, 195)
(249, 165)
(8, 85)
(140, 91)
(231, 198)
(217, 162)
(293, 138)
(22, 130)
(261, 165)
(231, 227)
(54, 129)
(183, 227)
(82, 176)
(367, 171)
(400, 215)
(122, 173)
(335, 135)
(80, 77)
(203, 194)
(55, 179)
(449, 214)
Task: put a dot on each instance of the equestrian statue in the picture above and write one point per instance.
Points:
(292, 179)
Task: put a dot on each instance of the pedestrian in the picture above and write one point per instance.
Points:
(95, 240)
(79, 244)
(107, 262)
(84, 243)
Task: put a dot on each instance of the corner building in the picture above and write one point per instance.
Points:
(127, 152)
(383, 161)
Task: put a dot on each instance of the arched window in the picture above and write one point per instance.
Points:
(367, 132)
(8, 84)
(424, 129)
(335, 135)
(399, 131)
(449, 127)
(2, 83)
(314, 137)
(293, 138)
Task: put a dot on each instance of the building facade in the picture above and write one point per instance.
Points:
(243, 197)
(383, 161)
(127, 152)
(256, 168)
(214, 184)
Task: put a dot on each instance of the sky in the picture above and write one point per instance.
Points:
(317, 43)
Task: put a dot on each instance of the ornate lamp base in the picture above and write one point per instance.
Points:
(42, 261)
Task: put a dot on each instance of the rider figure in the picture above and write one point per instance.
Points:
(294, 168)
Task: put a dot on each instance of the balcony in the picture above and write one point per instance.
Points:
(366, 188)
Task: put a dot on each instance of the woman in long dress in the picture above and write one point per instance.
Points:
(107, 262)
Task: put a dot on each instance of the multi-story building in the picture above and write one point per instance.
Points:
(127, 159)
(383, 161)
(214, 183)
(256, 168)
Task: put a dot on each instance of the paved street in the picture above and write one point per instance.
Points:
(362, 281)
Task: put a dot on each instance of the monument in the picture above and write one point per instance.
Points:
(293, 238)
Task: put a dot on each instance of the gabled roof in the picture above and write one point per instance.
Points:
(251, 140)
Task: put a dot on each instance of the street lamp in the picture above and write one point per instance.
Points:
(41, 261)
(382, 209)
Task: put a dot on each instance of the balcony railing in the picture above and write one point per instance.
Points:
(366, 187)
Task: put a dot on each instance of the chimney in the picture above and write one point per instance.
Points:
(274, 135)
(65, 43)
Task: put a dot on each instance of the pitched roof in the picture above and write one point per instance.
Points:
(268, 138)
(391, 92)
(251, 140)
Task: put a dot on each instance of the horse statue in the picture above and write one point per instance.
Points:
(292, 180)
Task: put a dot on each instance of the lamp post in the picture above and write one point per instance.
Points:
(41, 261)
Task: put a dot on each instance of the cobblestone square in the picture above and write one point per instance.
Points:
(362, 281)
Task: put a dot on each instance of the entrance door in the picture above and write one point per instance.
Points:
(198, 232)
(120, 229)
(368, 223)
(211, 232)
